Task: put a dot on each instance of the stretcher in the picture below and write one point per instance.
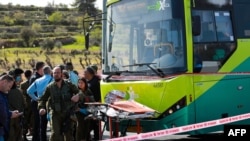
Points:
(118, 111)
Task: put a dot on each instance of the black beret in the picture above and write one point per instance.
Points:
(94, 67)
(69, 66)
(90, 70)
(62, 66)
(15, 72)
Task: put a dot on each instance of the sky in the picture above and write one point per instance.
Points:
(44, 2)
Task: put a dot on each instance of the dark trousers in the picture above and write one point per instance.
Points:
(83, 128)
(95, 127)
(57, 120)
(43, 127)
(40, 124)
(28, 119)
(36, 124)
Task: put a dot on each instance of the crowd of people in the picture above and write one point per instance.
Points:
(48, 96)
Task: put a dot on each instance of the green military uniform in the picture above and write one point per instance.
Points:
(83, 125)
(28, 116)
(59, 107)
(16, 102)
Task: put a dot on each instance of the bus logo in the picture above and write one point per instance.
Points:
(159, 6)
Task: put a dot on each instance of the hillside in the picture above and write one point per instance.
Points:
(48, 22)
(62, 27)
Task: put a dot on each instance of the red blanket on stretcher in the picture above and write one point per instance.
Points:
(131, 107)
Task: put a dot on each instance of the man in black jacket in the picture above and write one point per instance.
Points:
(94, 86)
(36, 125)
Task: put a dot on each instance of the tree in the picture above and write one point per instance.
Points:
(80, 22)
(36, 27)
(49, 9)
(58, 45)
(8, 20)
(86, 6)
(61, 5)
(27, 34)
(56, 17)
(48, 44)
(19, 17)
(72, 20)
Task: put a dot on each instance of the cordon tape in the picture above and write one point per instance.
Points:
(181, 129)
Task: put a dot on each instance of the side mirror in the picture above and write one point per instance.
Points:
(196, 25)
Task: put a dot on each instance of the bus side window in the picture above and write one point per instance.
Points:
(216, 43)
(208, 32)
(224, 26)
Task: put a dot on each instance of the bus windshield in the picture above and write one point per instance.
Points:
(142, 33)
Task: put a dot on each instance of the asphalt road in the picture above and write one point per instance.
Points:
(209, 137)
(214, 137)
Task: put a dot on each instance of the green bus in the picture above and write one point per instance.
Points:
(189, 60)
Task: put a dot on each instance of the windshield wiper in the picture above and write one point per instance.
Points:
(159, 72)
(118, 73)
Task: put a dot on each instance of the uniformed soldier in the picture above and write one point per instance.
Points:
(83, 124)
(58, 94)
(28, 119)
(16, 102)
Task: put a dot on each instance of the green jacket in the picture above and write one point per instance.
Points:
(24, 86)
(59, 98)
(85, 97)
(16, 100)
